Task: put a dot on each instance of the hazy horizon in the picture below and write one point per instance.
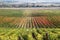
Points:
(31, 1)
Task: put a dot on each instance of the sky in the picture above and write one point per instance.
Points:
(21, 1)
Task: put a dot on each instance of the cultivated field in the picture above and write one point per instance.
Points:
(29, 24)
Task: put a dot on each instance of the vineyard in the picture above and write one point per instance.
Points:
(29, 24)
(29, 34)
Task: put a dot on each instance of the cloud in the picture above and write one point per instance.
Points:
(31, 0)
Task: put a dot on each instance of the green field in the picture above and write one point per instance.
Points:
(29, 34)
(29, 24)
(19, 13)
